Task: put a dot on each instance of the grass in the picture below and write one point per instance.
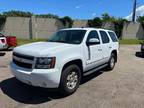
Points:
(125, 41)
(130, 41)
(26, 41)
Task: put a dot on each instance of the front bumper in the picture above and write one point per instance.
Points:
(3, 47)
(46, 78)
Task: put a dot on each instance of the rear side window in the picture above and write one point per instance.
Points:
(104, 36)
(113, 37)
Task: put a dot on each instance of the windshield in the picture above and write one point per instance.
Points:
(68, 36)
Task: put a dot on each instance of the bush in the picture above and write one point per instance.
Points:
(2, 20)
(67, 21)
(47, 16)
(14, 13)
(107, 18)
(140, 19)
(119, 26)
(96, 22)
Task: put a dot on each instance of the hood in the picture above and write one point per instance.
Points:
(41, 48)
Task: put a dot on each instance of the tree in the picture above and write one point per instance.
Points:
(47, 16)
(140, 19)
(107, 18)
(2, 20)
(14, 13)
(119, 26)
(96, 22)
(117, 21)
(67, 21)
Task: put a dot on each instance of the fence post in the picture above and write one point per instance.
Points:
(32, 27)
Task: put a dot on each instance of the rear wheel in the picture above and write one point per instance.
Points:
(111, 63)
(70, 79)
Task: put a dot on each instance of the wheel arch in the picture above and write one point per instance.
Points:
(77, 62)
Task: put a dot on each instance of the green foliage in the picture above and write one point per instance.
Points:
(107, 18)
(67, 21)
(46, 16)
(14, 13)
(2, 19)
(119, 22)
(141, 20)
(26, 41)
(96, 22)
(119, 26)
(130, 41)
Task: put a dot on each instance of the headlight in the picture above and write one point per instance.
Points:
(45, 62)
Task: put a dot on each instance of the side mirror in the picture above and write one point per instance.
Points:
(93, 41)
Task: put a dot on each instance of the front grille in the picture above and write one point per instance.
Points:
(23, 56)
(24, 65)
(24, 61)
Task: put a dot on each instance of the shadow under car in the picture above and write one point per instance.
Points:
(24, 93)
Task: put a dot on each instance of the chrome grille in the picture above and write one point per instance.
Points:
(22, 60)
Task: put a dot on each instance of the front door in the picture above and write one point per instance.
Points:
(94, 51)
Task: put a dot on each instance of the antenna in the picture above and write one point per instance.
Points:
(134, 11)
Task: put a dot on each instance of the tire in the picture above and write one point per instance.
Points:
(111, 63)
(70, 79)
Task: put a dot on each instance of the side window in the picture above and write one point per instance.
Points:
(113, 37)
(104, 36)
(93, 34)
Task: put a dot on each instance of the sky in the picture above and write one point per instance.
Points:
(77, 9)
(139, 12)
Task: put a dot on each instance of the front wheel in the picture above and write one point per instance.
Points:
(70, 79)
(111, 63)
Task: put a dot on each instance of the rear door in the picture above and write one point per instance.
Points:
(115, 41)
(106, 45)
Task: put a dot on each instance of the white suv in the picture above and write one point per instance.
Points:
(67, 56)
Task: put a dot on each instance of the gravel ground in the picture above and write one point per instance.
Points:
(121, 88)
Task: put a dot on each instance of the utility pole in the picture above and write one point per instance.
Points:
(134, 11)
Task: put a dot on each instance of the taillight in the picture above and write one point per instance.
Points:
(3, 40)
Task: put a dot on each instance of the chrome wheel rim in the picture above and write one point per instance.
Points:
(72, 80)
(112, 62)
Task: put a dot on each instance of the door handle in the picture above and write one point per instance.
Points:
(110, 47)
(99, 49)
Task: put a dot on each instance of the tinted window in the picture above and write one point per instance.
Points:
(93, 34)
(68, 36)
(113, 36)
(104, 36)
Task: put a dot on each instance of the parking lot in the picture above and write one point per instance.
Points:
(121, 88)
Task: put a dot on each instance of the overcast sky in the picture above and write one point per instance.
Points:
(77, 9)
